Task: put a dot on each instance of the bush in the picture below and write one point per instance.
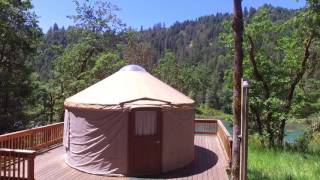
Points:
(207, 112)
(314, 145)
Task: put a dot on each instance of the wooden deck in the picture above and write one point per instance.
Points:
(210, 164)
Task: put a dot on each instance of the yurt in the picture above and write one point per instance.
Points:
(129, 124)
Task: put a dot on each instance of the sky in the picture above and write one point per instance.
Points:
(146, 13)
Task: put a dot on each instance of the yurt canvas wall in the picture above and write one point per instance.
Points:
(178, 138)
(96, 141)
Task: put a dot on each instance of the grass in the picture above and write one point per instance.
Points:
(280, 164)
(207, 112)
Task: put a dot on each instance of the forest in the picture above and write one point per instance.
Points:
(39, 70)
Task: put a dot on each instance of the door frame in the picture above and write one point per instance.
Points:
(131, 136)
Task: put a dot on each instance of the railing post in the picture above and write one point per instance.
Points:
(244, 130)
(31, 158)
(230, 152)
(31, 141)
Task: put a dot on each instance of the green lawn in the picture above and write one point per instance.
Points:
(271, 164)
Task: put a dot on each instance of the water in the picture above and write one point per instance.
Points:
(292, 132)
(227, 125)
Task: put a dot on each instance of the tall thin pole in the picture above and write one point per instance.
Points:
(237, 26)
(244, 131)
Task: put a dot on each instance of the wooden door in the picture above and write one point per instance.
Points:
(145, 142)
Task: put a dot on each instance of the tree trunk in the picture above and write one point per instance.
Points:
(257, 116)
(256, 73)
(51, 106)
(237, 25)
(281, 132)
(270, 129)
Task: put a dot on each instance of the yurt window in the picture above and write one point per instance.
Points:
(145, 123)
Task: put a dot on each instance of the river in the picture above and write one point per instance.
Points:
(293, 132)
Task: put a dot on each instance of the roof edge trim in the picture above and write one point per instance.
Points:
(126, 107)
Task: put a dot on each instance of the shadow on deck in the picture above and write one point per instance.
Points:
(204, 161)
(210, 163)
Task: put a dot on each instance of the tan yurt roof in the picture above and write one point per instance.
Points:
(130, 85)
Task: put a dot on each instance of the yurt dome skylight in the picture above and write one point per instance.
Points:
(133, 67)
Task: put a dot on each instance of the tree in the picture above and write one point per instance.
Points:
(73, 59)
(168, 70)
(280, 62)
(80, 66)
(19, 34)
(52, 45)
(97, 16)
(237, 25)
(138, 52)
(279, 56)
(187, 78)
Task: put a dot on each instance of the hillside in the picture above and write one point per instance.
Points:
(194, 56)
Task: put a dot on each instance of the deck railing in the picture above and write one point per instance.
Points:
(18, 149)
(205, 126)
(17, 164)
(225, 139)
(216, 127)
(34, 139)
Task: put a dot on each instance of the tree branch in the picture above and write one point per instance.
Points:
(257, 75)
(300, 72)
(86, 59)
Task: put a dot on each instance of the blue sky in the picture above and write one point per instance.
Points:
(146, 13)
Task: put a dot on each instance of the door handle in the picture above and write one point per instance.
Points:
(157, 142)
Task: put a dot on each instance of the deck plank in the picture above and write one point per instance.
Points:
(210, 163)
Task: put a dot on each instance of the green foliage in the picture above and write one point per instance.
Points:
(310, 141)
(278, 63)
(206, 112)
(19, 37)
(187, 56)
(39, 108)
(74, 59)
(314, 144)
(168, 69)
(187, 78)
(96, 16)
(51, 46)
(81, 65)
(106, 64)
(136, 51)
(193, 56)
